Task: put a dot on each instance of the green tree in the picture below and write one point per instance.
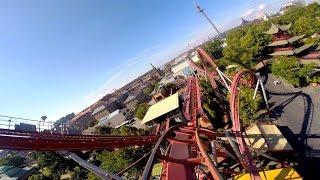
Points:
(103, 130)
(55, 165)
(115, 161)
(249, 107)
(287, 68)
(210, 104)
(247, 44)
(93, 122)
(214, 48)
(38, 176)
(141, 110)
(303, 19)
(128, 131)
(305, 25)
(149, 89)
(13, 160)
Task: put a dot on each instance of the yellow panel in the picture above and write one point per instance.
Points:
(162, 107)
(255, 139)
(275, 174)
(274, 138)
(266, 137)
(156, 170)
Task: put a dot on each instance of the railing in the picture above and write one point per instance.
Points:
(24, 125)
(149, 165)
(11, 139)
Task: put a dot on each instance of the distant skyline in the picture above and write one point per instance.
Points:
(58, 57)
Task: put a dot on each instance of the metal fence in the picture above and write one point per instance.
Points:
(24, 125)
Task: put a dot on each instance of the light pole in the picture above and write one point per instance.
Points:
(208, 19)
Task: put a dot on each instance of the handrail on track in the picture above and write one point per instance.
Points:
(147, 169)
(212, 168)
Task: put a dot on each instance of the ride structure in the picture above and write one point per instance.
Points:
(187, 151)
(214, 76)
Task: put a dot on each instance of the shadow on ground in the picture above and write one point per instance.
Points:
(307, 158)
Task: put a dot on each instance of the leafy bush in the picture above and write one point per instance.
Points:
(211, 105)
(115, 161)
(54, 165)
(149, 89)
(246, 45)
(37, 177)
(141, 110)
(13, 160)
(128, 131)
(103, 130)
(249, 107)
(289, 69)
(303, 19)
(214, 48)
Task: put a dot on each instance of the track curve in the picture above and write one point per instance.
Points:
(236, 126)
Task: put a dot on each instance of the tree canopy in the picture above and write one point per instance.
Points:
(141, 110)
(13, 160)
(246, 45)
(305, 19)
(149, 89)
(210, 104)
(289, 69)
(214, 48)
(115, 161)
(53, 165)
(249, 107)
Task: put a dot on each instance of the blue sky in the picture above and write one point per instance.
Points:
(59, 56)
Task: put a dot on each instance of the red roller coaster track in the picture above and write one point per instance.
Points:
(236, 126)
(57, 142)
(185, 153)
(213, 77)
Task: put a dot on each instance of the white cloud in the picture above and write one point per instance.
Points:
(261, 7)
(248, 12)
(258, 11)
(120, 75)
(104, 88)
(190, 34)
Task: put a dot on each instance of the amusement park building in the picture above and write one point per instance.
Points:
(182, 67)
(82, 120)
(285, 44)
(134, 99)
(168, 106)
(115, 119)
(152, 76)
(105, 109)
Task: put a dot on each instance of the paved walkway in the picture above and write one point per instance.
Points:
(297, 113)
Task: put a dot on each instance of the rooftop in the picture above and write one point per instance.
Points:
(276, 27)
(162, 107)
(302, 48)
(282, 53)
(129, 98)
(291, 52)
(98, 109)
(283, 42)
